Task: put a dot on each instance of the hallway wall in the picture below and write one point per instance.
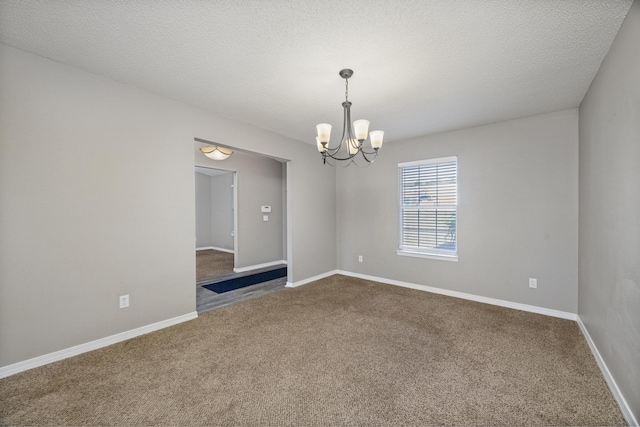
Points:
(204, 216)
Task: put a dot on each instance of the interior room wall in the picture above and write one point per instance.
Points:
(609, 278)
(517, 212)
(259, 183)
(111, 168)
(204, 215)
(222, 211)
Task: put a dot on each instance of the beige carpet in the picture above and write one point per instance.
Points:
(211, 263)
(340, 351)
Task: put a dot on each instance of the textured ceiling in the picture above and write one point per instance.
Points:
(420, 66)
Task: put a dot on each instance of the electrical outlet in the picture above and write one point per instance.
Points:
(124, 301)
(533, 283)
(359, 258)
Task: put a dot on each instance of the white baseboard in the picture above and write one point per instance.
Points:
(204, 248)
(613, 386)
(257, 266)
(15, 368)
(471, 297)
(310, 279)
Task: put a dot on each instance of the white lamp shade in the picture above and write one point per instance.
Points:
(361, 128)
(324, 132)
(376, 138)
(216, 153)
(321, 148)
(352, 145)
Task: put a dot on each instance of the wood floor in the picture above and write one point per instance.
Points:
(207, 300)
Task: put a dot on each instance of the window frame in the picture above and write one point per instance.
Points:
(431, 253)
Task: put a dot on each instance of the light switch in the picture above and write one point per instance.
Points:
(265, 217)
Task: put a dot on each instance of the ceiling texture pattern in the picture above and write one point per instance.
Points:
(419, 66)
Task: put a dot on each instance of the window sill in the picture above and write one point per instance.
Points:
(453, 258)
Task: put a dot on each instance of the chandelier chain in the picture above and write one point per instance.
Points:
(346, 89)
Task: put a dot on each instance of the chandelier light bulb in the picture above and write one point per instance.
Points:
(361, 128)
(353, 146)
(324, 132)
(376, 138)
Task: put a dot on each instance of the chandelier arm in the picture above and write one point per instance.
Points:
(346, 119)
(335, 163)
(349, 157)
(371, 153)
(368, 161)
(346, 116)
(364, 155)
(346, 131)
(331, 151)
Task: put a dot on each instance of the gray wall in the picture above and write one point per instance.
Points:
(97, 200)
(609, 290)
(214, 210)
(259, 183)
(222, 211)
(204, 216)
(517, 213)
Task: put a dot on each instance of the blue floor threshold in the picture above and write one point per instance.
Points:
(243, 282)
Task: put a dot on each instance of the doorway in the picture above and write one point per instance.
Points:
(241, 227)
(215, 222)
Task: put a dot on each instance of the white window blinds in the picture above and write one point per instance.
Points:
(428, 199)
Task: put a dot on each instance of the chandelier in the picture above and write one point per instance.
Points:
(216, 153)
(351, 148)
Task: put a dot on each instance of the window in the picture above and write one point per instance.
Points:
(428, 208)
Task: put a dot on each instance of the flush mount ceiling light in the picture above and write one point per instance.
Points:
(216, 153)
(351, 148)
